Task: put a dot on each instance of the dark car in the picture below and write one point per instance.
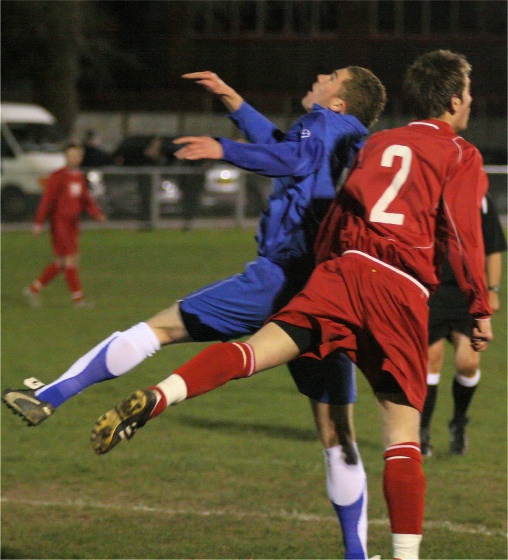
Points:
(202, 187)
(141, 150)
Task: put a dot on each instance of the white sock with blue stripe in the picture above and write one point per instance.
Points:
(113, 357)
(347, 490)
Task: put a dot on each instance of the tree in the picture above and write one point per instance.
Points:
(41, 43)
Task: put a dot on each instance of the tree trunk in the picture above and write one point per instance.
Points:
(55, 80)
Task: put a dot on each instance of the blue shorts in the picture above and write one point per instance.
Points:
(241, 304)
(330, 380)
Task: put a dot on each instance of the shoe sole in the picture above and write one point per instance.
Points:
(106, 435)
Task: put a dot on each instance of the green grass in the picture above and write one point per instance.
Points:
(237, 473)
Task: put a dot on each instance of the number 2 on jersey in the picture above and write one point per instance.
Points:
(378, 212)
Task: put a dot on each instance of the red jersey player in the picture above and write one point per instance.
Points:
(414, 191)
(66, 195)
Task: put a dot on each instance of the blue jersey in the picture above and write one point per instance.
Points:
(306, 164)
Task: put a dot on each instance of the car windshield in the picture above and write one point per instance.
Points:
(38, 137)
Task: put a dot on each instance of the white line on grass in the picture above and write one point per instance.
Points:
(281, 514)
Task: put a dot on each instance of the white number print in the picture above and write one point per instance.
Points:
(378, 213)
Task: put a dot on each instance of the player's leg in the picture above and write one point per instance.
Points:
(330, 385)
(346, 481)
(403, 477)
(211, 368)
(72, 278)
(50, 272)
(111, 358)
(394, 359)
(436, 360)
(465, 382)
(168, 326)
(65, 243)
(117, 355)
(229, 308)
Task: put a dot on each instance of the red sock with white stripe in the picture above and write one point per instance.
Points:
(211, 368)
(404, 489)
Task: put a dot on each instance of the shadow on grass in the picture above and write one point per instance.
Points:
(11, 553)
(234, 427)
(279, 432)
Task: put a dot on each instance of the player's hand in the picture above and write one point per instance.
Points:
(482, 334)
(198, 147)
(37, 229)
(212, 83)
(101, 218)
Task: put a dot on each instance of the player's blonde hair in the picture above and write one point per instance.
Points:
(364, 94)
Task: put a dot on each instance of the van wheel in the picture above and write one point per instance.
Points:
(14, 204)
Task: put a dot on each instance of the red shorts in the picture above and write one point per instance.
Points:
(64, 238)
(375, 313)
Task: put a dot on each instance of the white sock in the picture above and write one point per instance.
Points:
(174, 389)
(433, 378)
(130, 348)
(468, 381)
(344, 483)
(114, 356)
(347, 485)
(406, 547)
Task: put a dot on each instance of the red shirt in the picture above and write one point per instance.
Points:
(66, 195)
(414, 190)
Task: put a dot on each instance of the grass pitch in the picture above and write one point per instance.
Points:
(237, 473)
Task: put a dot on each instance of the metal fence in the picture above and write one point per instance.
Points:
(181, 195)
(154, 195)
(498, 186)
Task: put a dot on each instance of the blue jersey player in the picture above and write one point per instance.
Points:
(306, 163)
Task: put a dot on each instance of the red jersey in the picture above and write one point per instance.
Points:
(66, 195)
(412, 191)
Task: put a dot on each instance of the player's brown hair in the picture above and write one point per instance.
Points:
(364, 94)
(432, 80)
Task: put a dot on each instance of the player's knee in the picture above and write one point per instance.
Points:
(168, 326)
(468, 367)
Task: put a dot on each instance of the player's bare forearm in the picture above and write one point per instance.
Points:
(493, 272)
(212, 83)
(198, 147)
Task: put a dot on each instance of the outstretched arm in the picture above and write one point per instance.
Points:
(255, 127)
(273, 160)
(198, 147)
(211, 82)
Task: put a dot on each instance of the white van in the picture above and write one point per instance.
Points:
(31, 150)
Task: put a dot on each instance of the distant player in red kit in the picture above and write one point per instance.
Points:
(66, 195)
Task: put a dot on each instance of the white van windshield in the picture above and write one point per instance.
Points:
(37, 137)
